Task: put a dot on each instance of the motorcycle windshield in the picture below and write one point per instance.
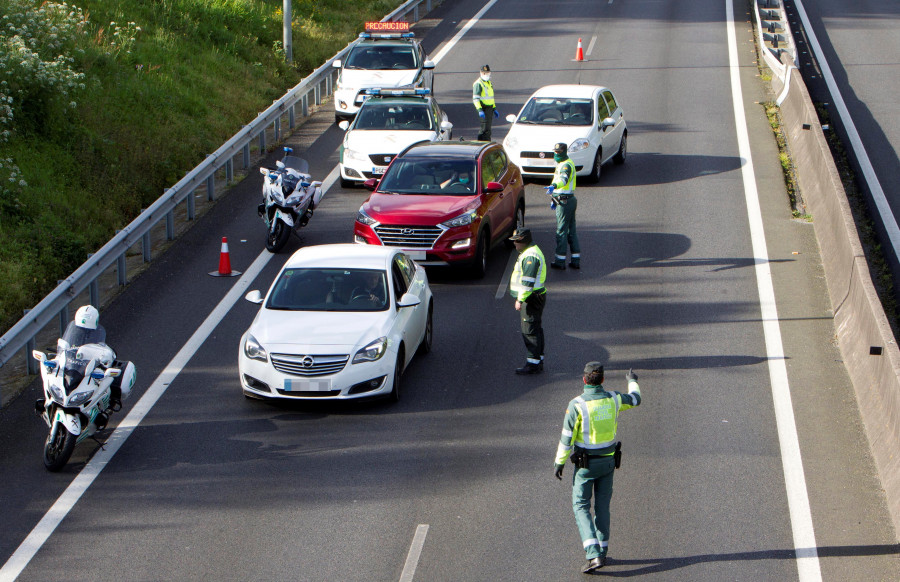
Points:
(78, 336)
(74, 371)
(296, 163)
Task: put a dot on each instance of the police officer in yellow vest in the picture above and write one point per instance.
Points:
(527, 287)
(562, 192)
(589, 436)
(483, 98)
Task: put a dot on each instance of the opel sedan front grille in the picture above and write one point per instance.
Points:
(309, 365)
(409, 237)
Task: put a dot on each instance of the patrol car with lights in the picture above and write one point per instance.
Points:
(386, 55)
(388, 122)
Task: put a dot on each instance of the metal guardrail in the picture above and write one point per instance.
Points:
(775, 41)
(316, 85)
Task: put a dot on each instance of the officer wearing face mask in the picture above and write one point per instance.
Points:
(562, 192)
(483, 98)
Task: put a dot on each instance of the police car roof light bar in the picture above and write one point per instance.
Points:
(398, 92)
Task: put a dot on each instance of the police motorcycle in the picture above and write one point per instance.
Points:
(83, 384)
(289, 199)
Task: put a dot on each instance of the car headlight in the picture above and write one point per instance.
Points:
(364, 218)
(355, 155)
(255, 351)
(80, 398)
(371, 352)
(578, 145)
(511, 143)
(461, 220)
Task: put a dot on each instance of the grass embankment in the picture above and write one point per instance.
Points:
(104, 103)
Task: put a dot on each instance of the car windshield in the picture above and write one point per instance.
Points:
(430, 176)
(385, 57)
(557, 111)
(393, 116)
(329, 290)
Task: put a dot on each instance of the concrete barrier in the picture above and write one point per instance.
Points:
(864, 335)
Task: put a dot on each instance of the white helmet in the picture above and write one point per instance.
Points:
(87, 316)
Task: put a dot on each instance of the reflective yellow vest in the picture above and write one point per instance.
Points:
(598, 432)
(520, 285)
(482, 93)
(568, 187)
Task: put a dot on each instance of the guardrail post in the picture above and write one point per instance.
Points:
(427, 5)
(191, 213)
(291, 116)
(211, 187)
(304, 104)
(94, 292)
(121, 267)
(317, 93)
(229, 171)
(31, 365)
(145, 243)
(328, 84)
(170, 221)
(262, 142)
(63, 318)
(416, 13)
(246, 152)
(277, 129)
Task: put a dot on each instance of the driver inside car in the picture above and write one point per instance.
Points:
(372, 289)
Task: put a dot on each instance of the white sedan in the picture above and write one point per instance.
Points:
(587, 118)
(340, 322)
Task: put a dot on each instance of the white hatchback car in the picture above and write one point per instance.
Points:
(585, 117)
(340, 322)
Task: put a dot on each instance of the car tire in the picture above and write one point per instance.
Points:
(479, 266)
(425, 346)
(398, 373)
(597, 168)
(619, 158)
(518, 223)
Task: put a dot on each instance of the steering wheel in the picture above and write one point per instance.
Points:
(365, 296)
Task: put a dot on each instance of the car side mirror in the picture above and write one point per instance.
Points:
(408, 300)
(254, 297)
(371, 184)
(493, 187)
(429, 64)
(345, 125)
(511, 118)
(608, 122)
(336, 64)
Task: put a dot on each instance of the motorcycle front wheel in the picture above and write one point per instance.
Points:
(58, 450)
(278, 237)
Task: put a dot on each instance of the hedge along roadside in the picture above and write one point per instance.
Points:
(311, 90)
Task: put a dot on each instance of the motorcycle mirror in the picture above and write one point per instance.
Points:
(279, 164)
(113, 372)
(39, 356)
(263, 171)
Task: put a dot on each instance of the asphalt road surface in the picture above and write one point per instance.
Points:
(455, 482)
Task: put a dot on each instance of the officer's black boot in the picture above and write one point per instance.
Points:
(530, 368)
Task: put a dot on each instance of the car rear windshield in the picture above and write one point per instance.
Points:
(428, 176)
(393, 116)
(382, 58)
(557, 111)
(329, 290)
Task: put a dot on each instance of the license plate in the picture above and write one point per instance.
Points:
(416, 255)
(378, 170)
(298, 385)
(540, 162)
(361, 98)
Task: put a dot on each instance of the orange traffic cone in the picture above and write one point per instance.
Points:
(579, 53)
(225, 262)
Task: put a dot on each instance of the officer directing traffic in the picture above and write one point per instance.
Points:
(562, 192)
(589, 436)
(527, 287)
(483, 98)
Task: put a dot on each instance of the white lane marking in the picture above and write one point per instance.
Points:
(415, 550)
(54, 516)
(593, 42)
(462, 32)
(330, 179)
(884, 209)
(791, 460)
(507, 275)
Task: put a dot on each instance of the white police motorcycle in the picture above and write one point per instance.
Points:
(289, 199)
(83, 384)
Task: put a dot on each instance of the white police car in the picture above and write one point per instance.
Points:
(387, 55)
(388, 121)
(587, 118)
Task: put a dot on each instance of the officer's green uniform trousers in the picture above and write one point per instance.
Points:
(596, 482)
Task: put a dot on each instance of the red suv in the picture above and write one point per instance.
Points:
(444, 203)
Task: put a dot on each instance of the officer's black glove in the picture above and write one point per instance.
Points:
(558, 472)
(631, 376)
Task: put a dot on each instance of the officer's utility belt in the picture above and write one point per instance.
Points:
(581, 458)
(561, 198)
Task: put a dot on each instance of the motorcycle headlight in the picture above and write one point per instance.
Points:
(56, 393)
(255, 351)
(578, 145)
(371, 352)
(461, 220)
(363, 218)
(80, 398)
